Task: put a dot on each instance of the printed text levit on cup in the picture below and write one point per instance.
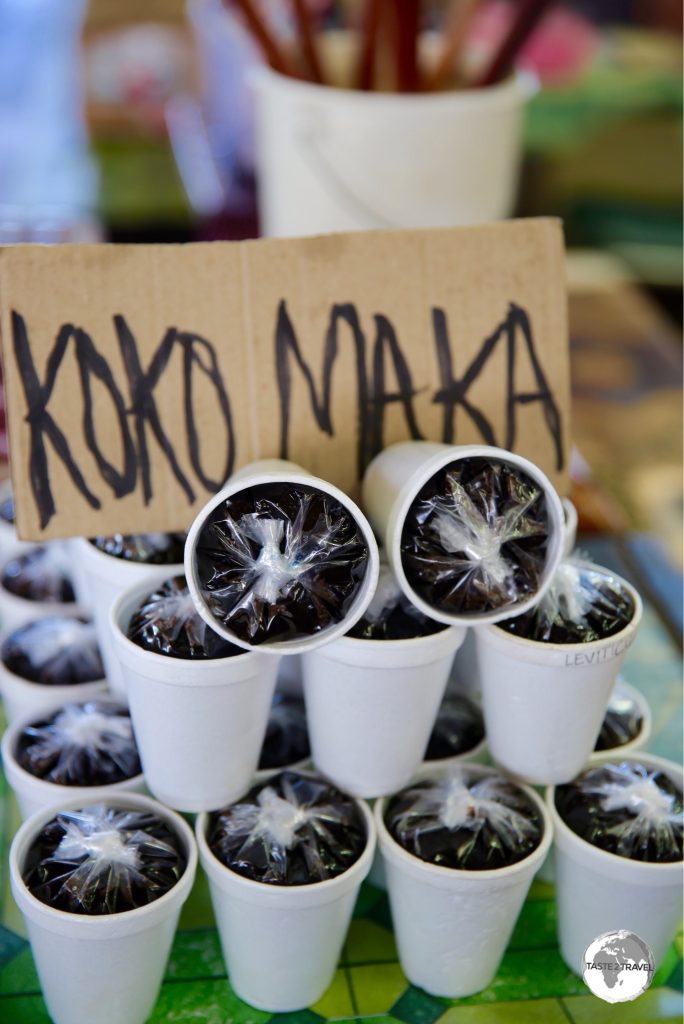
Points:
(604, 654)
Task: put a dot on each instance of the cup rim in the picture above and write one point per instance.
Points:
(635, 744)
(365, 591)
(29, 685)
(4, 670)
(360, 866)
(264, 774)
(452, 632)
(86, 544)
(203, 666)
(524, 643)
(119, 800)
(519, 85)
(604, 857)
(432, 465)
(8, 744)
(437, 873)
(43, 609)
(456, 760)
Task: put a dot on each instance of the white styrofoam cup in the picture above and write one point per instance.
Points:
(476, 755)
(16, 611)
(371, 706)
(599, 892)
(391, 484)
(546, 872)
(104, 578)
(199, 724)
(280, 471)
(644, 734)
(452, 926)
(107, 968)
(22, 697)
(281, 943)
(34, 793)
(544, 703)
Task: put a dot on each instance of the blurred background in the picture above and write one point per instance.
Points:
(130, 121)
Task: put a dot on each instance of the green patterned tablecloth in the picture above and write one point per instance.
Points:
(532, 985)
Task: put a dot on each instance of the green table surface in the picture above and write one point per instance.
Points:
(532, 986)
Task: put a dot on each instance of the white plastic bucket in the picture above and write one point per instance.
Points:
(338, 159)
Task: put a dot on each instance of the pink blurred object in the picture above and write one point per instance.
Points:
(558, 51)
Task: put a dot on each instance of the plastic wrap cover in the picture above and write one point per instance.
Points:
(583, 603)
(152, 548)
(279, 562)
(475, 538)
(622, 723)
(465, 822)
(287, 737)
(625, 808)
(88, 744)
(390, 615)
(55, 651)
(167, 622)
(458, 729)
(291, 830)
(103, 861)
(41, 574)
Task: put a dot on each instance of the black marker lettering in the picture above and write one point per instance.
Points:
(518, 320)
(41, 423)
(386, 343)
(91, 363)
(194, 347)
(143, 406)
(453, 392)
(286, 346)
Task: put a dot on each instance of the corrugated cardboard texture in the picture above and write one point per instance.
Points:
(139, 377)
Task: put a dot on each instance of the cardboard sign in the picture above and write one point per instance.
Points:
(138, 378)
